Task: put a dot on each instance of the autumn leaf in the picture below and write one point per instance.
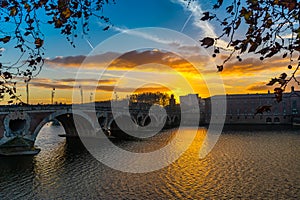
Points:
(4, 3)
(246, 14)
(229, 9)
(206, 16)
(238, 23)
(66, 13)
(244, 46)
(7, 75)
(220, 68)
(235, 43)
(227, 30)
(38, 42)
(264, 51)
(218, 5)
(13, 11)
(106, 28)
(6, 39)
(272, 82)
(58, 23)
(283, 76)
(39, 59)
(269, 23)
(282, 82)
(27, 33)
(262, 109)
(297, 48)
(31, 62)
(207, 42)
(253, 47)
(284, 55)
(272, 53)
(27, 7)
(278, 94)
(291, 4)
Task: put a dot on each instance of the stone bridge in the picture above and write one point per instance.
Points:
(20, 125)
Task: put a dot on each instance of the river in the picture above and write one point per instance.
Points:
(247, 164)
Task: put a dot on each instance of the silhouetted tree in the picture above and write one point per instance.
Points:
(20, 26)
(262, 27)
(150, 98)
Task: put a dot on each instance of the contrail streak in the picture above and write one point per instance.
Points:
(89, 43)
(186, 22)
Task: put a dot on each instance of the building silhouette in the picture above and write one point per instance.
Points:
(242, 108)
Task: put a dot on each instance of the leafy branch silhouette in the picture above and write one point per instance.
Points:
(260, 27)
(21, 25)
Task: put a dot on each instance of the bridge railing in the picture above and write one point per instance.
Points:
(48, 107)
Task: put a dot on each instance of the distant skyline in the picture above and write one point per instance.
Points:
(63, 61)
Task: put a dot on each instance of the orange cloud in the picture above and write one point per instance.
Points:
(68, 83)
(152, 89)
(76, 61)
(259, 87)
(252, 66)
(239, 77)
(131, 60)
(91, 84)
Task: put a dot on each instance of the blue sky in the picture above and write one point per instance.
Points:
(247, 77)
(125, 14)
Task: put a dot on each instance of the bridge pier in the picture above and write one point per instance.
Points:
(14, 138)
(19, 129)
(68, 124)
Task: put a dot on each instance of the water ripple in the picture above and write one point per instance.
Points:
(247, 165)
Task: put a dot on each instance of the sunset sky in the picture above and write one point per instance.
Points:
(174, 66)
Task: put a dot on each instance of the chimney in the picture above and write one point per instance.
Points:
(172, 101)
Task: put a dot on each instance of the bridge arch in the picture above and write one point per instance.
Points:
(269, 120)
(140, 119)
(147, 120)
(175, 120)
(124, 118)
(66, 118)
(276, 120)
(167, 121)
(102, 119)
(150, 119)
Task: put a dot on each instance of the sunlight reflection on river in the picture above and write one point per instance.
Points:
(247, 164)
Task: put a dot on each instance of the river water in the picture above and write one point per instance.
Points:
(247, 164)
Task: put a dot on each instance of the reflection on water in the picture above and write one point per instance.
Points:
(244, 164)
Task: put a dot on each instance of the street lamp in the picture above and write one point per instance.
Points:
(116, 96)
(91, 97)
(81, 93)
(52, 95)
(27, 92)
